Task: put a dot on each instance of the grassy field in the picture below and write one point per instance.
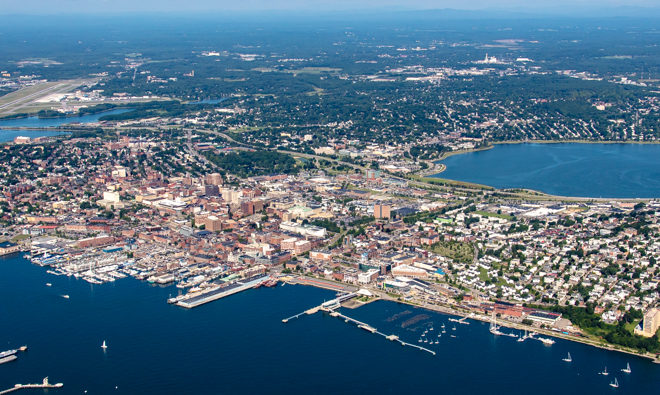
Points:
(21, 93)
(304, 70)
(447, 182)
(313, 70)
(245, 129)
(316, 91)
(483, 274)
(496, 215)
(456, 250)
(630, 327)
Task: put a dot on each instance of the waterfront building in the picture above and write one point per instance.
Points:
(650, 324)
(541, 316)
(7, 247)
(22, 140)
(98, 241)
(368, 277)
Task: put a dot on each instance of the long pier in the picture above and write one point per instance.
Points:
(371, 329)
(330, 308)
(306, 312)
(220, 292)
(44, 384)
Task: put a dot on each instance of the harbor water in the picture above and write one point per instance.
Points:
(570, 169)
(36, 122)
(239, 345)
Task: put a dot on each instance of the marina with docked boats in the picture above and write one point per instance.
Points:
(201, 283)
(422, 335)
(197, 283)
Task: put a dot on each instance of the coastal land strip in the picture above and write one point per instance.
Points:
(449, 310)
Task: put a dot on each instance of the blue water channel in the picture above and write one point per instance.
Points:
(571, 169)
(239, 345)
(36, 122)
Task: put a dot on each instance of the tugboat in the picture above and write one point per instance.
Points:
(271, 283)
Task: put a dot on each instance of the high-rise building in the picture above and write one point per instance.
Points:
(650, 324)
(213, 179)
(382, 211)
(211, 190)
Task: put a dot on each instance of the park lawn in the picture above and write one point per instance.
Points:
(496, 215)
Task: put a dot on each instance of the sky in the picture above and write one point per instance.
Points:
(192, 6)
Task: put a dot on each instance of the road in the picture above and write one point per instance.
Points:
(450, 188)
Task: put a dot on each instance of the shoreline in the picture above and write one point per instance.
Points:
(432, 174)
(512, 325)
(576, 141)
(474, 316)
(334, 286)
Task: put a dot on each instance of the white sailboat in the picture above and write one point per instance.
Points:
(604, 372)
(494, 329)
(615, 384)
(568, 358)
(104, 346)
(627, 368)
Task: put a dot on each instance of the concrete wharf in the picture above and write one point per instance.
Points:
(44, 384)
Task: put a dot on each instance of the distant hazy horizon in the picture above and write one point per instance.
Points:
(565, 7)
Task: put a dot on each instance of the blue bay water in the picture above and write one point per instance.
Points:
(36, 122)
(570, 169)
(238, 345)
